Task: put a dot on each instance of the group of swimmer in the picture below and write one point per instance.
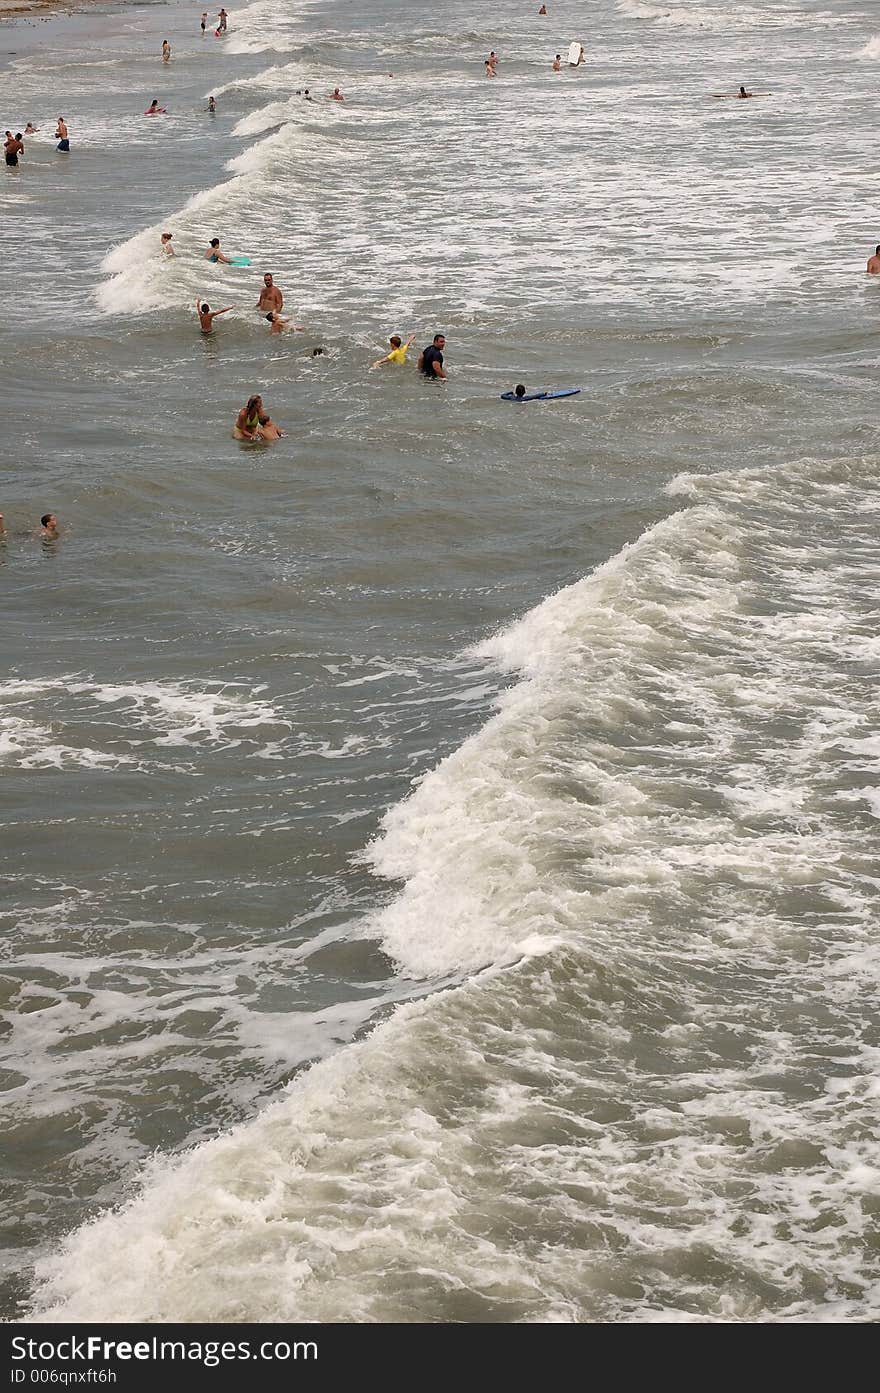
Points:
(13, 145)
(254, 425)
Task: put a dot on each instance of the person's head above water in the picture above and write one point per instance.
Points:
(395, 340)
(316, 352)
(743, 92)
(254, 404)
(166, 236)
(271, 316)
(439, 340)
(215, 242)
(519, 390)
(206, 308)
(48, 520)
(267, 278)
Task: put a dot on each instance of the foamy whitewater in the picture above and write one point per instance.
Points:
(442, 848)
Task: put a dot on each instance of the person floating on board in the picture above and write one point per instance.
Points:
(270, 296)
(154, 109)
(207, 315)
(431, 359)
(63, 138)
(743, 93)
(557, 63)
(165, 243)
(873, 267)
(519, 391)
(214, 253)
(398, 353)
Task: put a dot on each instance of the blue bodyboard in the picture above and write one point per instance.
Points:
(541, 396)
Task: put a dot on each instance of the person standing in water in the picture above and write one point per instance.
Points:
(873, 267)
(214, 253)
(270, 296)
(166, 51)
(13, 147)
(63, 138)
(211, 108)
(431, 358)
(557, 63)
(207, 315)
(204, 22)
(221, 21)
(398, 353)
(165, 243)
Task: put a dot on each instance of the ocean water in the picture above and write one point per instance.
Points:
(440, 850)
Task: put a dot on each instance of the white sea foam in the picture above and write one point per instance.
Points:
(871, 49)
(127, 714)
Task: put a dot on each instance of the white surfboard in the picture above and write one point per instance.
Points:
(574, 54)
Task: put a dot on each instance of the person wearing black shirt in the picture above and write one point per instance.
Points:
(431, 358)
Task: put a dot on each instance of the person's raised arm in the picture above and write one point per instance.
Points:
(226, 311)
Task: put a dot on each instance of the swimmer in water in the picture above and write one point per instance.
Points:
(336, 95)
(207, 315)
(268, 428)
(214, 253)
(247, 422)
(271, 297)
(398, 352)
(873, 267)
(165, 243)
(557, 63)
(154, 109)
(30, 128)
(49, 529)
(212, 106)
(279, 324)
(13, 147)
